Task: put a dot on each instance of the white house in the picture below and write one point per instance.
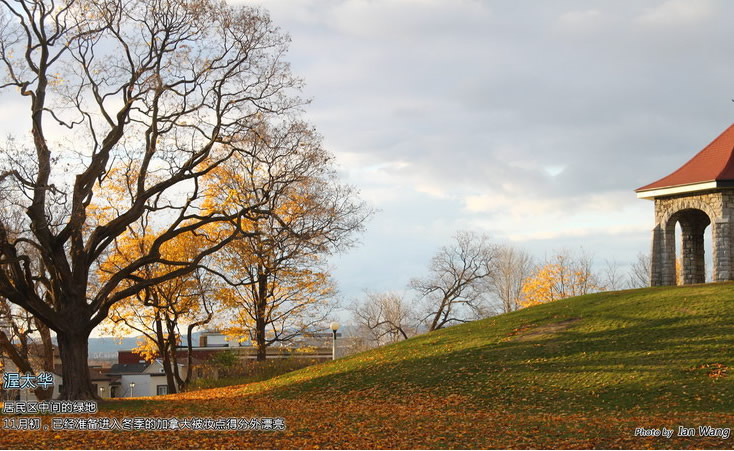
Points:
(139, 379)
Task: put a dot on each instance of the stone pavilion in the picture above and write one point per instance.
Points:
(697, 195)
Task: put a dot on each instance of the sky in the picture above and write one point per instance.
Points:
(532, 122)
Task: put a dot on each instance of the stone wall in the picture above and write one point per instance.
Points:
(694, 212)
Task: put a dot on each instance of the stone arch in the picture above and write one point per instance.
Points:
(694, 213)
(693, 223)
(692, 204)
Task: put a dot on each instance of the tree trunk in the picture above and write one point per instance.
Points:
(47, 363)
(164, 349)
(190, 353)
(74, 349)
(182, 384)
(44, 394)
(402, 332)
(260, 323)
(262, 352)
(168, 368)
(434, 324)
(21, 363)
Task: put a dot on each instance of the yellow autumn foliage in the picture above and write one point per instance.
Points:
(556, 280)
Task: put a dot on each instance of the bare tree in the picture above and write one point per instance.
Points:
(639, 273)
(160, 89)
(612, 277)
(512, 267)
(575, 272)
(386, 317)
(455, 289)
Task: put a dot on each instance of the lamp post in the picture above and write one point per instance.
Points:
(334, 326)
(132, 385)
(101, 392)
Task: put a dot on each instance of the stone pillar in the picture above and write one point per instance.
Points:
(657, 257)
(699, 258)
(668, 263)
(692, 252)
(721, 237)
(688, 253)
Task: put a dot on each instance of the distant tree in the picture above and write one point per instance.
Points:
(639, 273)
(276, 308)
(612, 279)
(278, 283)
(455, 289)
(511, 269)
(225, 359)
(386, 317)
(563, 275)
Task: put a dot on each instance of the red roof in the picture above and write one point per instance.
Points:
(714, 163)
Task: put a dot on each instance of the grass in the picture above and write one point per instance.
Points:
(646, 349)
(254, 371)
(577, 373)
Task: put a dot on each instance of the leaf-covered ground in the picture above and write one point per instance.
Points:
(578, 373)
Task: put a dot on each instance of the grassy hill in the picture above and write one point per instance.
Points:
(646, 349)
(581, 372)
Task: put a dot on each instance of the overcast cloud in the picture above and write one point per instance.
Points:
(531, 121)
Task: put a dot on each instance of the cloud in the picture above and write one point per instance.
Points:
(578, 232)
(580, 21)
(407, 20)
(675, 13)
(530, 216)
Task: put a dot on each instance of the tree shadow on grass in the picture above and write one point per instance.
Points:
(629, 367)
(607, 360)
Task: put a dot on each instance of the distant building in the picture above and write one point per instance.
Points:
(311, 345)
(138, 379)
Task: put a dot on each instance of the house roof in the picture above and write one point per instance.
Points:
(99, 374)
(127, 368)
(715, 163)
(95, 373)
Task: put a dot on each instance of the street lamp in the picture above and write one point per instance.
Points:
(334, 326)
(132, 385)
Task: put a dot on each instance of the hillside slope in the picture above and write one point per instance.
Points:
(584, 372)
(649, 349)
